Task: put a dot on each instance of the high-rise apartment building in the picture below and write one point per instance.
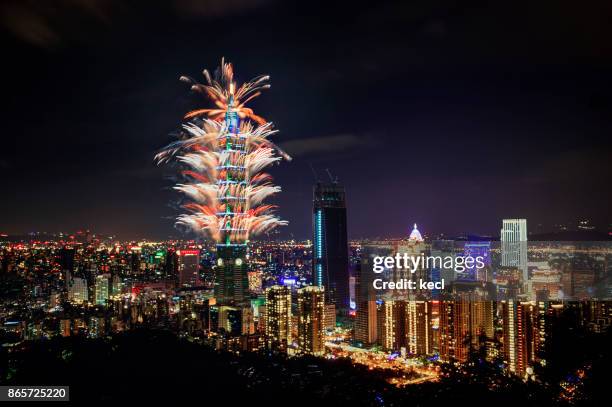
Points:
(465, 325)
(522, 333)
(311, 320)
(392, 317)
(366, 315)
(419, 328)
(278, 317)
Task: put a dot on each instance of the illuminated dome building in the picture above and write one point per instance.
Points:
(415, 235)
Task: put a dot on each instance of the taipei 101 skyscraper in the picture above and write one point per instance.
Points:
(222, 152)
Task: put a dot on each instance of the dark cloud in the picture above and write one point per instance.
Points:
(215, 8)
(328, 144)
(51, 24)
(47, 24)
(28, 25)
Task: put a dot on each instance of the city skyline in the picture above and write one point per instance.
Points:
(579, 229)
(504, 324)
(415, 212)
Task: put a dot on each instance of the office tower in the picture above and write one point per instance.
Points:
(419, 328)
(514, 247)
(330, 262)
(522, 333)
(102, 288)
(278, 317)
(189, 267)
(77, 291)
(225, 183)
(311, 319)
(232, 281)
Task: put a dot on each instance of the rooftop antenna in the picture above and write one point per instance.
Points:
(314, 173)
(331, 177)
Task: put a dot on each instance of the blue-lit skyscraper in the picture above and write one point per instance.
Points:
(330, 244)
(480, 249)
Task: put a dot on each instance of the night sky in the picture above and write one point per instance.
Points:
(453, 115)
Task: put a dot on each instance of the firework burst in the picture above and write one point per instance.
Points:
(223, 152)
(224, 93)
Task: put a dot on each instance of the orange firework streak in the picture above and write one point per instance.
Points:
(224, 95)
